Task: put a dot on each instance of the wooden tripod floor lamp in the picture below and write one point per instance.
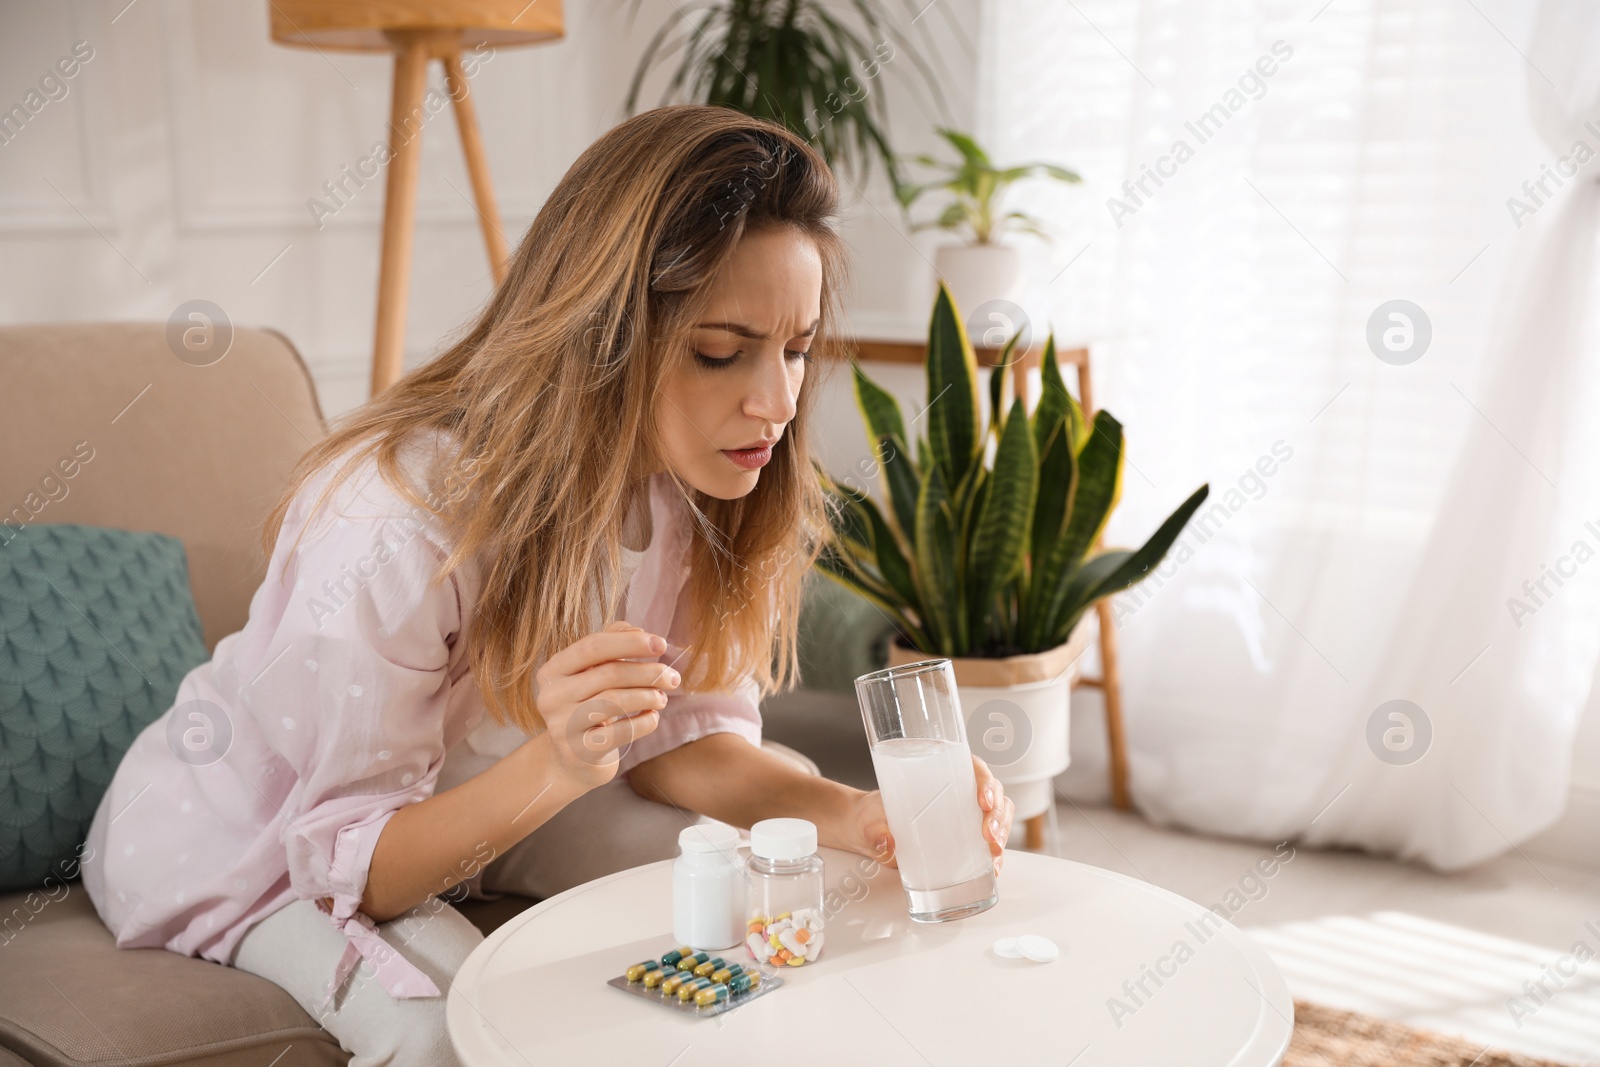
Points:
(418, 31)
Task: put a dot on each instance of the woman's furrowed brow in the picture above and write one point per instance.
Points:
(739, 329)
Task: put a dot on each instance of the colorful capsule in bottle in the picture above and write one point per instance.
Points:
(671, 959)
(716, 963)
(693, 986)
(689, 963)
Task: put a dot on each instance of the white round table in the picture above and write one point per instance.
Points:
(1144, 978)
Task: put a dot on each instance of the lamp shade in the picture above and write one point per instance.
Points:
(360, 25)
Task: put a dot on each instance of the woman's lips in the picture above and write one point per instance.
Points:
(749, 458)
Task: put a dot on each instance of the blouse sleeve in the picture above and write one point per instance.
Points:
(691, 716)
(355, 700)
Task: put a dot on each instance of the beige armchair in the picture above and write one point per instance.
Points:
(201, 453)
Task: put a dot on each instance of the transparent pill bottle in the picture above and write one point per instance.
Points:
(708, 897)
(784, 916)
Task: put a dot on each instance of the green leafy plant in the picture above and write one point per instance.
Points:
(975, 187)
(977, 557)
(793, 62)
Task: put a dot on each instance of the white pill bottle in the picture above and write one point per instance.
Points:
(708, 887)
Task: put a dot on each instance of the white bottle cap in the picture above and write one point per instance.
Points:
(783, 839)
(703, 837)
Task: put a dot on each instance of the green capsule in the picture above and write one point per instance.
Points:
(693, 986)
(710, 965)
(671, 959)
(689, 963)
(639, 970)
(727, 972)
(744, 982)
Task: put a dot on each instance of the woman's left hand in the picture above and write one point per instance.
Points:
(868, 827)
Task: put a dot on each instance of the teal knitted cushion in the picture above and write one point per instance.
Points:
(97, 628)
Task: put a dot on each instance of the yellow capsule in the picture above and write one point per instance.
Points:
(716, 994)
(727, 972)
(711, 995)
(656, 977)
(693, 986)
(671, 985)
(796, 961)
(710, 965)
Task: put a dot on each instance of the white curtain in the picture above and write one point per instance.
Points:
(1262, 182)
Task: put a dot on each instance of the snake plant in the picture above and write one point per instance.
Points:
(981, 557)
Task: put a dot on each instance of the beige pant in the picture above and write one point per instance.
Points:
(607, 829)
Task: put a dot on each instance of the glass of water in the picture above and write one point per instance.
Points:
(930, 793)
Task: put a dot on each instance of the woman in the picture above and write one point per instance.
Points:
(623, 432)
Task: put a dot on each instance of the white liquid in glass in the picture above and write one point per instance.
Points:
(930, 795)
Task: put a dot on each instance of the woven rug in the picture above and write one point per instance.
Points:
(1324, 1037)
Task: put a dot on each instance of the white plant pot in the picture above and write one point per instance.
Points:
(1017, 712)
(1022, 733)
(978, 275)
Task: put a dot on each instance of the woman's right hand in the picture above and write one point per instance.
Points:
(595, 702)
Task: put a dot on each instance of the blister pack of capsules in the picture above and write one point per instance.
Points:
(696, 983)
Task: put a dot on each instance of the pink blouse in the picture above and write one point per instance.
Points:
(283, 757)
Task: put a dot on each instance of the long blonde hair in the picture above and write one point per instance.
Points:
(549, 396)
